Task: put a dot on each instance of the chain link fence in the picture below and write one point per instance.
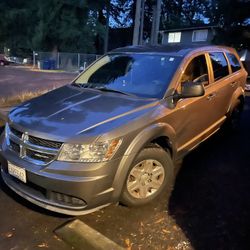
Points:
(62, 60)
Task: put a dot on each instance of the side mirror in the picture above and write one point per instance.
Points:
(191, 89)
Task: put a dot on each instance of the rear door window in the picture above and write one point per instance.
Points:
(220, 66)
(234, 62)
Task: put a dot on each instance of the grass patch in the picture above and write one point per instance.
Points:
(21, 97)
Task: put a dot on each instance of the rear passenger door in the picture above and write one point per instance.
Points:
(236, 77)
(222, 84)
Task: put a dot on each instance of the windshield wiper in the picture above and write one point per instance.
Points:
(83, 85)
(104, 89)
(100, 88)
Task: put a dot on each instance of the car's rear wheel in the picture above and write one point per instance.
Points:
(150, 174)
(1, 63)
(233, 122)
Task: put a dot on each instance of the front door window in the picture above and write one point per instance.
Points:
(196, 71)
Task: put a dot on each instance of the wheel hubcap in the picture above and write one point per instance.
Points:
(145, 178)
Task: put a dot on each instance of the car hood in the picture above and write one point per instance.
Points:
(68, 111)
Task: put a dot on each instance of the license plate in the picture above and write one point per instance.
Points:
(17, 172)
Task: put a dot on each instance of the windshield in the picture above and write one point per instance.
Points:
(143, 75)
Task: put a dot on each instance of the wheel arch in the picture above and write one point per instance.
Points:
(238, 95)
(161, 134)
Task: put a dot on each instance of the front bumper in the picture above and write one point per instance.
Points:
(63, 187)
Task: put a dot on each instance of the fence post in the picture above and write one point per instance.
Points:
(34, 59)
(58, 60)
(78, 62)
(84, 65)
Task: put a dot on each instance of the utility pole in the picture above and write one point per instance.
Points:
(155, 22)
(153, 25)
(106, 39)
(137, 22)
(142, 22)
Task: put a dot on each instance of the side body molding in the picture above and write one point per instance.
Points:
(138, 143)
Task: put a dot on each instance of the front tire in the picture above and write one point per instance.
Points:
(151, 173)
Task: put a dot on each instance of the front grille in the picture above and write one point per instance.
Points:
(16, 132)
(44, 143)
(37, 150)
(15, 147)
(39, 156)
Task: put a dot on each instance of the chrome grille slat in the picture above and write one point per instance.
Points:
(40, 157)
(33, 152)
(44, 143)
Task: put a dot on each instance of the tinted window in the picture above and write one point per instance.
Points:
(144, 75)
(235, 64)
(196, 71)
(220, 66)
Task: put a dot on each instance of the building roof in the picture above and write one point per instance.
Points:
(190, 28)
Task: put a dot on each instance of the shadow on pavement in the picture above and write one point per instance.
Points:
(211, 201)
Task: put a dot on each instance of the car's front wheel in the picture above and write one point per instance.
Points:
(149, 175)
(1, 63)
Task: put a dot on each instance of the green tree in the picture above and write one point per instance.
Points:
(233, 19)
(64, 25)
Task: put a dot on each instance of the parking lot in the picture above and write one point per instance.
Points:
(209, 207)
(15, 80)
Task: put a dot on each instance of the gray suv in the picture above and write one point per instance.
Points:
(116, 131)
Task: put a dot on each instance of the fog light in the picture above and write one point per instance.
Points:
(67, 200)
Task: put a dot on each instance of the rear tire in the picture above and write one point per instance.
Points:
(233, 122)
(151, 174)
(1, 63)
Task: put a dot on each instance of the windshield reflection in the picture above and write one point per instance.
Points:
(143, 75)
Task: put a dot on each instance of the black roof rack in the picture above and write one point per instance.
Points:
(180, 50)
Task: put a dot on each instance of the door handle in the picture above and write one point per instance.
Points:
(211, 96)
(232, 84)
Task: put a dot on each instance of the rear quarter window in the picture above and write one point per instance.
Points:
(220, 66)
(234, 62)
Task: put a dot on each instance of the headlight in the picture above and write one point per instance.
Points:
(96, 152)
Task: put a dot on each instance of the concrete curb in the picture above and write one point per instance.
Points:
(81, 236)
